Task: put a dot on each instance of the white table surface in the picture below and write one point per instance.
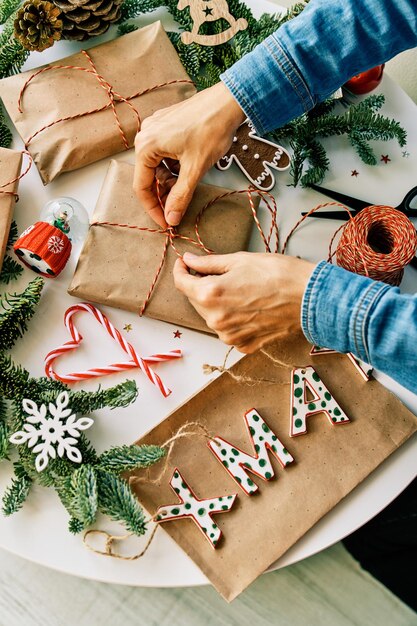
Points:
(38, 532)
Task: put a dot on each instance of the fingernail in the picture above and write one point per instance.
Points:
(189, 255)
(174, 218)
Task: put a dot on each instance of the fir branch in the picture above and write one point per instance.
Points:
(75, 526)
(10, 270)
(12, 57)
(319, 164)
(126, 28)
(133, 8)
(78, 493)
(15, 495)
(116, 499)
(18, 310)
(121, 395)
(129, 458)
(363, 149)
(4, 441)
(13, 235)
(7, 7)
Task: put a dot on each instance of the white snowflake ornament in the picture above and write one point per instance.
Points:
(49, 435)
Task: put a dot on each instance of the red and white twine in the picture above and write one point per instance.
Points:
(16, 178)
(378, 242)
(135, 361)
(113, 97)
(171, 233)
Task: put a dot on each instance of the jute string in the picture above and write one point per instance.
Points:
(190, 429)
(241, 378)
(114, 97)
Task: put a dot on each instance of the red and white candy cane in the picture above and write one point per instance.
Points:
(134, 362)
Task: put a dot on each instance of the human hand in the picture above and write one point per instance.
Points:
(248, 299)
(197, 133)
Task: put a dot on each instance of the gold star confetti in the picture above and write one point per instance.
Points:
(127, 327)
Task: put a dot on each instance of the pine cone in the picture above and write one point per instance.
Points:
(83, 19)
(38, 25)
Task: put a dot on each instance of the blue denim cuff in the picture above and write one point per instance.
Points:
(268, 86)
(337, 308)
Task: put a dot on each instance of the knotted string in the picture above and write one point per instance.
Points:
(171, 234)
(377, 242)
(190, 429)
(113, 96)
(16, 178)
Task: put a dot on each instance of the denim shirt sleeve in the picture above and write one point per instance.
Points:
(351, 313)
(311, 56)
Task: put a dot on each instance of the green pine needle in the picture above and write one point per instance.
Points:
(4, 441)
(17, 310)
(122, 395)
(75, 526)
(116, 500)
(7, 7)
(15, 495)
(78, 494)
(130, 458)
(13, 235)
(12, 57)
(10, 270)
(133, 8)
(126, 28)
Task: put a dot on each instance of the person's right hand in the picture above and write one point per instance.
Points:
(197, 133)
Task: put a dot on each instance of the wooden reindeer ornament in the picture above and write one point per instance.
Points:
(255, 156)
(210, 11)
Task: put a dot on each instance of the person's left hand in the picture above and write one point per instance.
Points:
(248, 299)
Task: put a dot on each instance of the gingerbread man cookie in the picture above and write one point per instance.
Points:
(255, 156)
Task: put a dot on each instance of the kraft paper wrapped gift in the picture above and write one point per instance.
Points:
(134, 62)
(10, 164)
(330, 460)
(118, 265)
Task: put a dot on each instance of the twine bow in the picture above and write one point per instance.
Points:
(16, 178)
(171, 234)
(113, 97)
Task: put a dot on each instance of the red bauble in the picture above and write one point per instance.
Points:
(44, 248)
(366, 81)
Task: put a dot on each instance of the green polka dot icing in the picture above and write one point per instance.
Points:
(322, 402)
(200, 511)
(264, 441)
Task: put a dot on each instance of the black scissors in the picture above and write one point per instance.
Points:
(357, 205)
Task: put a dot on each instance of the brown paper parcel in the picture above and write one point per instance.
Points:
(131, 63)
(330, 460)
(10, 164)
(117, 266)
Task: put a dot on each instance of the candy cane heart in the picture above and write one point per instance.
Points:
(135, 361)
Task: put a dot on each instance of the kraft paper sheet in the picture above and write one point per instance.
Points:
(330, 461)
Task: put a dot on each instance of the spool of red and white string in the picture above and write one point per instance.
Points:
(378, 242)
